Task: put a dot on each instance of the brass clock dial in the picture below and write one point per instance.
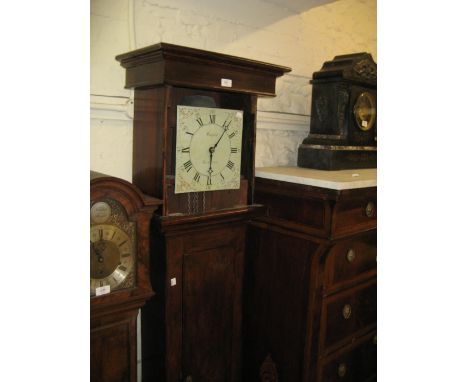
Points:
(112, 248)
(365, 111)
(208, 149)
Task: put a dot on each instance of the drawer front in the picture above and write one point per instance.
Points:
(309, 213)
(355, 215)
(357, 364)
(350, 260)
(349, 314)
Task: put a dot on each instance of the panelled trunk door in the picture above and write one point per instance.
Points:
(212, 288)
(113, 348)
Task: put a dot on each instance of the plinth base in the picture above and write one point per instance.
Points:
(325, 157)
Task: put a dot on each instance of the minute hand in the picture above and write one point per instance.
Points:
(216, 144)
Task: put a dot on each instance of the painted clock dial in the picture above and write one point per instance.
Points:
(208, 149)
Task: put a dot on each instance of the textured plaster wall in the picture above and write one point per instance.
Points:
(299, 37)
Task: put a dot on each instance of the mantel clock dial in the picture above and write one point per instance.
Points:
(208, 149)
(365, 111)
(112, 248)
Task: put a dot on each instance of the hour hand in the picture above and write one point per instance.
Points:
(212, 149)
(98, 247)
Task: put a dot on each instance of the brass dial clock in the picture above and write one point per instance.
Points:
(208, 149)
(112, 248)
(365, 111)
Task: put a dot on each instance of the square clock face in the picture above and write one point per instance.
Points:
(208, 149)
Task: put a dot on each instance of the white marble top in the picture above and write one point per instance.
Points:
(336, 180)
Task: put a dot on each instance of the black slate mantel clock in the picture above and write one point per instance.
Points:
(194, 148)
(343, 126)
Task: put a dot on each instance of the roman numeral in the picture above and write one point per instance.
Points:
(226, 124)
(233, 150)
(212, 118)
(100, 234)
(230, 165)
(221, 175)
(188, 133)
(122, 243)
(188, 165)
(125, 255)
(208, 181)
(200, 122)
(232, 135)
(186, 150)
(196, 178)
(123, 269)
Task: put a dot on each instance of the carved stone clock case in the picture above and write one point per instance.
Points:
(194, 147)
(120, 220)
(343, 125)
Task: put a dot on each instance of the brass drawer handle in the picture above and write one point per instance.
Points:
(341, 370)
(370, 209)
(346, 311)
(351, 255)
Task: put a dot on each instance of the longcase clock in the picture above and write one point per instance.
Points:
(194, 147)
(119, 274)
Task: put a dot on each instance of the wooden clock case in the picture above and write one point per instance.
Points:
(113, 315)
(163, 76)
(191, 329)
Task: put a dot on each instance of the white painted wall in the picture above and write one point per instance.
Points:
(281, 32)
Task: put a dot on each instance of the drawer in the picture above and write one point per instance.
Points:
(348, 315)
(351, 260)
(355, 215)
(307, 213)
(357, 363)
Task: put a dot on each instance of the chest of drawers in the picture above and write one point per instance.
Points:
(311, 277)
